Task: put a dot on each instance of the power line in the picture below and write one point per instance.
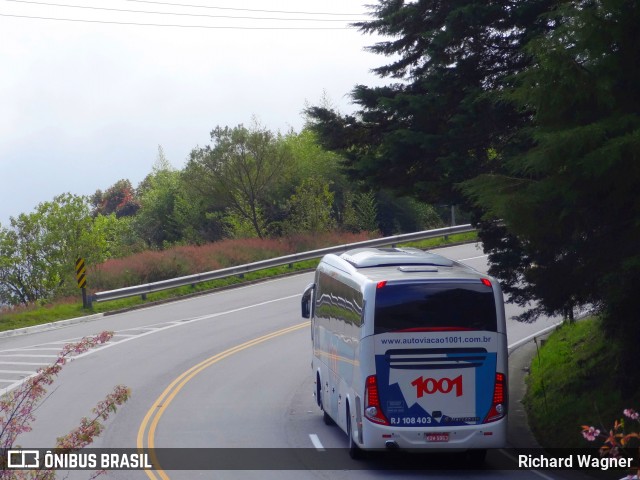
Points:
(168, 25)
(241, 9)
(32, 2)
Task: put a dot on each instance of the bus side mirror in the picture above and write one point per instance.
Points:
(307, 297)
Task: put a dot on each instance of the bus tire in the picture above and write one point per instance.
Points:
(319, 392)
(354, 451)
(327, 419)
(325, 416)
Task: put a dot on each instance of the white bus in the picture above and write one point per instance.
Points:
(409, 351)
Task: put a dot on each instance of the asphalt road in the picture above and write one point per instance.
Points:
(225, 370)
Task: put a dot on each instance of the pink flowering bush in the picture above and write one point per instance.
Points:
(619, 438)
(152, 266)
(18, 406)
(591, 433)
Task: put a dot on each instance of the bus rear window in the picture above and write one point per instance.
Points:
(430, 306)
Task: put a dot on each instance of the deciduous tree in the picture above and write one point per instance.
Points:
(240, 167)
(120, 199)
(310, 207)
(38, 251)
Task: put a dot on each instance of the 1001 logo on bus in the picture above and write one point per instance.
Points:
(430, 386)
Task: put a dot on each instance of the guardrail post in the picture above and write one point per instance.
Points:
(453, 220)
(85, 302)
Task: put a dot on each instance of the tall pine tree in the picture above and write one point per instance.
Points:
(439, 123)
(570, 202)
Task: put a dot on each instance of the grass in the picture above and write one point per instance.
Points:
(571, 383)
(71, 308)
(442, 241)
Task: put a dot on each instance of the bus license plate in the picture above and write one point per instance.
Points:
(437, 437)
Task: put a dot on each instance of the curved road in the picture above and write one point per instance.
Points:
(224, 370)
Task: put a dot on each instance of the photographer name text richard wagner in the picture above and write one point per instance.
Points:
(571, 461)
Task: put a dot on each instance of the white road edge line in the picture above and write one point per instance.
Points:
(12, 355)
(316, 442)
(29, 349)
(472, 258)
(2, 362)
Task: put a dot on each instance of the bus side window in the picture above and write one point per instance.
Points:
(306, 301)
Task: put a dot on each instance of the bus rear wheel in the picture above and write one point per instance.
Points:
(327, 419)
(319, 392)
(325, 416)
(354, 451)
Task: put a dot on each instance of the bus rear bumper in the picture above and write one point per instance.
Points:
(458, 438)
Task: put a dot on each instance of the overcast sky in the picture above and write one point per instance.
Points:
(85, 103)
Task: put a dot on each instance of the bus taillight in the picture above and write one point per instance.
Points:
(372, 409)
(499, 404)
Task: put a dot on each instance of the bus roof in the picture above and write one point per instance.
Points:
(386, 257)
(400, 263)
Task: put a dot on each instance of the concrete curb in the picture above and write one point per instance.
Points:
(50, 326)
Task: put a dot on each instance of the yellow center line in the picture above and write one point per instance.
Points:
(166, 397)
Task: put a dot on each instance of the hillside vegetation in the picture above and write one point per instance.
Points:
(573, 382)
(251, 194)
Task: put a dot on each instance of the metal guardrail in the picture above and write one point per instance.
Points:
(273, 262)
